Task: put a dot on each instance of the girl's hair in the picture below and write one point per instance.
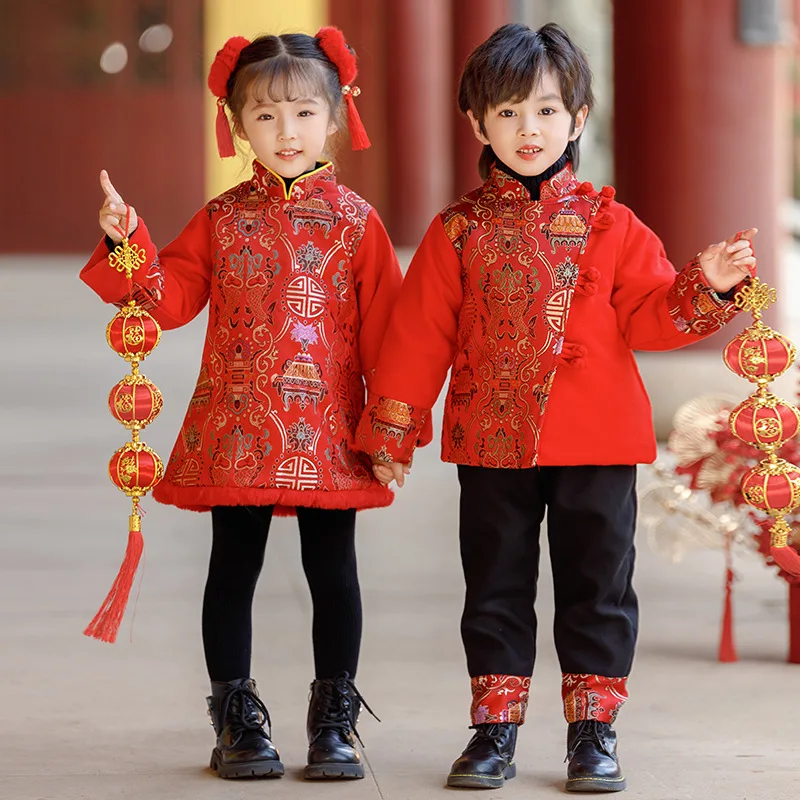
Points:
(511, 63)
(284, 68)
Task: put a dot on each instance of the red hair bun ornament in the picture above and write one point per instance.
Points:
(333, 44)
(218, 76)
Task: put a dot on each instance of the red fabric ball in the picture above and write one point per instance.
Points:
(135, 401)
(135, 469)
(334, 45)
(759, 353)
(773, 487)
(765, 421)
(133, 333)
(224, 64)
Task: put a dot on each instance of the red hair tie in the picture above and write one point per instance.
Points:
(333, 44)
(218, 76)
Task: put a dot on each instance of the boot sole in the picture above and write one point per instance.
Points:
(592, 785)
(478, 781)
(333, 772)
(248, 769)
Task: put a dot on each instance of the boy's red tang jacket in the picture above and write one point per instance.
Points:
(300, 281)
(536, 307)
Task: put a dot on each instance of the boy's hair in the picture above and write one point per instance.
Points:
(511, 63)
(285, 67)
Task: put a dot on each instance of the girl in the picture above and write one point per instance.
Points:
(299, 276)
(534, 290)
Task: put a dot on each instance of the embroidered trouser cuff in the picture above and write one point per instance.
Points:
(592, 697)
(499, 698)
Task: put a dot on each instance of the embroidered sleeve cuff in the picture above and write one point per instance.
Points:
(695, 307)
(390, 430)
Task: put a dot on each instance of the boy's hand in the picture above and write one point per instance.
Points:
(386, 471)
(726, 263)
(115, 211)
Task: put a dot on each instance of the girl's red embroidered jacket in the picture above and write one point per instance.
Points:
(300, 281)
(535, 307)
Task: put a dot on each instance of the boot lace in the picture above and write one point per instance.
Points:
(338, 714)
(492, 731)
(591, 732)
(245, 711)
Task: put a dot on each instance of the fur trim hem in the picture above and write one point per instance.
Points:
(203, 498)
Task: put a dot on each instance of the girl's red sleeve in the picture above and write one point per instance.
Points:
(377, 280)
(172, 285)
(658, 308)
(418, 350)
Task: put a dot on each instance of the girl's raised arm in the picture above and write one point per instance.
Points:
(173, 285)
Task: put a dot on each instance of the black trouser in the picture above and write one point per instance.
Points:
(591, 513)
(327, 541)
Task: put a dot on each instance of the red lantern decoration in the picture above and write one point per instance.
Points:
(135, 401)
(133, 333)
(759, 354)
(135, 469)
(773, 486)
(764, 419)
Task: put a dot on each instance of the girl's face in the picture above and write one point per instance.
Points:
(532, 135)
(288, 136)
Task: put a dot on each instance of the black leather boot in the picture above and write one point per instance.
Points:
(488, 760)
(333, 709)
(592, 756)
(244, 749)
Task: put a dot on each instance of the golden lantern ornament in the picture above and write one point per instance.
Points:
(135, 402)
(766, 422)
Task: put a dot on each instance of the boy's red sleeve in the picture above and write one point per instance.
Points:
(418, 350)
(658, 308)
(172, 285)
(377, 280)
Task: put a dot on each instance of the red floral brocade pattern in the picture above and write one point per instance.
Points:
(299, 282)
(499, 698)
(592, 697)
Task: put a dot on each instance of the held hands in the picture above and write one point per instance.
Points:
(114, 212)
(386, 471)
(726, 263)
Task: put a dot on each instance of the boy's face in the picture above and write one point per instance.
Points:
(532, 135)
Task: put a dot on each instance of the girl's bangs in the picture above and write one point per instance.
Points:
(286, 79)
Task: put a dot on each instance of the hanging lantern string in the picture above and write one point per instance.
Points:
(135, 468)
(760, 355)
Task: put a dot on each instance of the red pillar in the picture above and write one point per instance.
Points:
(420, 88)
(794, 623)
(700, 132)
(364, 25)
(473, 22)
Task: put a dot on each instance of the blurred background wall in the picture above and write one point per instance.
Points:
(696, 104)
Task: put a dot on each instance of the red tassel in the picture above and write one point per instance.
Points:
(225, 146)
(358, 134)
(787, 558)
(106, 622)
(727, 648)
(783, 554)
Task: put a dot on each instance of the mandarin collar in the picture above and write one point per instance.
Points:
(561, 184)
(295, 189)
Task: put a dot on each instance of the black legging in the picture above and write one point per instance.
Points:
(327, 541)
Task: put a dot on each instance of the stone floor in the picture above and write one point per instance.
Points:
(79, 719)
